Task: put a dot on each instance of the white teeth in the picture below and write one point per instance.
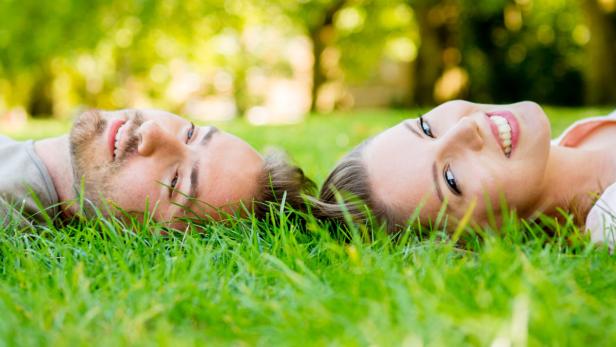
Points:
(117, 140)
(498, 120)
(504, 132)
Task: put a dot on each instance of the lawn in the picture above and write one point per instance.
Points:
(271, 283)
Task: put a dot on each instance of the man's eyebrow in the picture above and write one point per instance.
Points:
(208, 136)
(193, 185)
(194, 181)
(408, 125)
(194, 173)
(439, 193)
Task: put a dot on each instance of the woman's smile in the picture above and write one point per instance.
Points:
(505, 129)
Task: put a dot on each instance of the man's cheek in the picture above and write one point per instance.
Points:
(128, 194)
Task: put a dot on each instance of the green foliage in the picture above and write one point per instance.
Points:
(62, 54)
(33, 31)
(527, 51)
(367, 33)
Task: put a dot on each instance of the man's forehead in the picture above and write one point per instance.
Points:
(230, 169)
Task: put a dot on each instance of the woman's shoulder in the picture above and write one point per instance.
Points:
(584, 125)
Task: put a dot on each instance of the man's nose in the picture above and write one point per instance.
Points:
(153, 139)
(465, 134)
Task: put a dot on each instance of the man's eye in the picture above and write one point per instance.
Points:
(191, 132)
(174, 182)
(425, 127)
(451, 181)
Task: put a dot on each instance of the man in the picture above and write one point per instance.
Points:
(138, 161)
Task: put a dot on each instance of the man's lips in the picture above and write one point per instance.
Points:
(113, 131)
(513, 124)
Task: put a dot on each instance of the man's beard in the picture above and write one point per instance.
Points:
(93, 173)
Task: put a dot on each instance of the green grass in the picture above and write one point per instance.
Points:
(272, 283)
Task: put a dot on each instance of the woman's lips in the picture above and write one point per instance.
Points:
(113, 131)
(513, 124)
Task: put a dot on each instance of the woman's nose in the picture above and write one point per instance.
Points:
(153, 138)
(464, 134)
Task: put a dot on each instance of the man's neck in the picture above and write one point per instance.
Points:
(575, 178)
(55, 154)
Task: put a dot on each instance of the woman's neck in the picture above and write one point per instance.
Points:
(574, 179)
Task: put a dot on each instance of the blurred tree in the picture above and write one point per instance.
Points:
(516, 50)
(601, 51)
(322, 34)
(316, 19)
(377, 43)
(57, 55)
(437, 22)
(32, 33)
(356, 31)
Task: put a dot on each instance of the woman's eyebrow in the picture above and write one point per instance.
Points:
(411, 128)
(437, 185)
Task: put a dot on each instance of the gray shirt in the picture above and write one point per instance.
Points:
(27, 193)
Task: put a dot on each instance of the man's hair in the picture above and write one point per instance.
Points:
(347, 192)
(280, 182)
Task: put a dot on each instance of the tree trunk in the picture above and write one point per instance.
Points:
(320, 40)
(429, 65)
(240, 88)
(40, 103)
(318, 77)
(435, 35)
(601, 52)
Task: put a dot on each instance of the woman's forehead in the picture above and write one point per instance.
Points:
(399, 165)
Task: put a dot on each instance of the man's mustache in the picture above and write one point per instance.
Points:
(132, 143)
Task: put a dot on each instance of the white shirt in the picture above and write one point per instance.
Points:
(601, 219)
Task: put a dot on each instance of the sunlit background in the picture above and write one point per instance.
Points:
(278, 61)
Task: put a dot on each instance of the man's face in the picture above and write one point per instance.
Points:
(151, 160)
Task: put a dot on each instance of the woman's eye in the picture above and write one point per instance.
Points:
(191, 132)
(451, 181)
(425, 127)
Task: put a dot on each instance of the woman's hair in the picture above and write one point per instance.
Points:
(347, 192)
(280, 182)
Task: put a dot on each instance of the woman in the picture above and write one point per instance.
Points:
(468, 158)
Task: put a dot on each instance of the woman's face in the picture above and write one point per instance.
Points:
(460, 152)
